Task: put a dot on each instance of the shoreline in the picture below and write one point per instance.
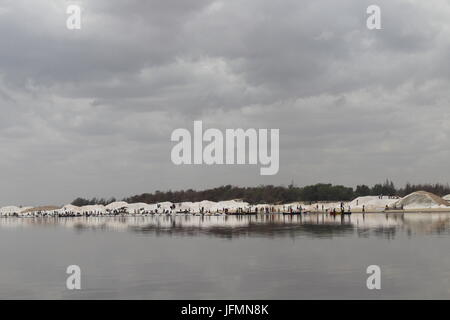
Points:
(138, 215)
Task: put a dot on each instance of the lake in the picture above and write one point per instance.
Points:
(314, 256)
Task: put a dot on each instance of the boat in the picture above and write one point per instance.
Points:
(241, 214)
(340, 213)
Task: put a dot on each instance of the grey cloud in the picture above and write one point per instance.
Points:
(90, 112)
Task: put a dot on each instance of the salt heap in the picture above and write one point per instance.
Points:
(206, 204)
(10, 210)
(421, 200)
(446, 197)
(116, 205)
(231, 205)
(40, 210)
(187, 206)
(93, 209)
(374, 203)
(165, 206)
(69, 208)
(140, 207)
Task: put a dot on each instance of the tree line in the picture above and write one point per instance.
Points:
(276, 194)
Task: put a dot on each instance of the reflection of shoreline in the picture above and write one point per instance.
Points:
(428, 210)
(311, 225)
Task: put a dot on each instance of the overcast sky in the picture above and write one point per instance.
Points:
(90, 112)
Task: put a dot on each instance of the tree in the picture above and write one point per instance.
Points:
(362, 190)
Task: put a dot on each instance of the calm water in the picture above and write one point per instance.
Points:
(265, 257)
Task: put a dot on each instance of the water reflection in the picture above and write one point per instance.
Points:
(269, 226)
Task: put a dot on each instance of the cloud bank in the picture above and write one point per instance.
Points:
(90, 112)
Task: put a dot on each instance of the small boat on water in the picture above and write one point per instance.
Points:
(345, 213)
(241, 214)
(182, 212)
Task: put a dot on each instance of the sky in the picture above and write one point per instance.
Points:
(90, 112)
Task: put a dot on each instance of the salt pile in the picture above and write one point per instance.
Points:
(70, 208)
(116, 205)
(187, 206)
(205, 204)
(416, 200)
(93, 209)
(140, 207)
(165, 206)
(230, 205)
(10, 210)
(374, 203)
(43, 209)
(421, 200)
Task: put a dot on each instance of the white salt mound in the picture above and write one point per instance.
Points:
(70, 208)
(195, 206)
(140, 207)
(372, 202)
(230, 205)
(208, 205)
(165, 205)
(187, 205)
(116, 205)
(97, 208)
(10, 210)
(421, 200)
